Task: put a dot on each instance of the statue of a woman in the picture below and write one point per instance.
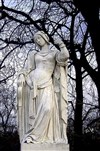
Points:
(42, 94)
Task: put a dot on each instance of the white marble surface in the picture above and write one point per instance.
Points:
(42, 94)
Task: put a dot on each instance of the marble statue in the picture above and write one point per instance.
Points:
(42, 94)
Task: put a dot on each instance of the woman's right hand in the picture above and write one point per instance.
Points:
(21, 80)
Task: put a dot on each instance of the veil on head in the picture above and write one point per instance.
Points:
(43, 35)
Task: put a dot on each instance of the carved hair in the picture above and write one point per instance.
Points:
(43, 35)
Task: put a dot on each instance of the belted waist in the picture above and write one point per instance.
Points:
(39, 86)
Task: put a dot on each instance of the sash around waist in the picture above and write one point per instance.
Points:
(35, 87)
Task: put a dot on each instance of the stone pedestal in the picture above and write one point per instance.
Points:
(44, 147)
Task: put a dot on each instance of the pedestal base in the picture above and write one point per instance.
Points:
(44, 147)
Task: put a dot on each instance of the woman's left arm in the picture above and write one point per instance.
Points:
(63, 54)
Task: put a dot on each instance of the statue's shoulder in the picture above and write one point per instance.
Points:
(54, 51)
(32, 53)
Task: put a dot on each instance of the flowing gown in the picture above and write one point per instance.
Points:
(42, 101)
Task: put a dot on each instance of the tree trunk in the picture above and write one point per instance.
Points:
(91, 14)
(78, 109)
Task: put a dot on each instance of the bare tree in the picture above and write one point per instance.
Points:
(8, 108)
(21, 19)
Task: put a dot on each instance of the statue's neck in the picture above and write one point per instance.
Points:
(45, 48)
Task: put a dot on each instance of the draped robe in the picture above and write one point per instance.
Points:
(42, 101)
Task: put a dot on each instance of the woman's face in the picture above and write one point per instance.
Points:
(39, 40)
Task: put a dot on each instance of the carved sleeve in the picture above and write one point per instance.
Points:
(62, 56)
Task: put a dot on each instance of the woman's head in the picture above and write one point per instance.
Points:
(41, 38)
